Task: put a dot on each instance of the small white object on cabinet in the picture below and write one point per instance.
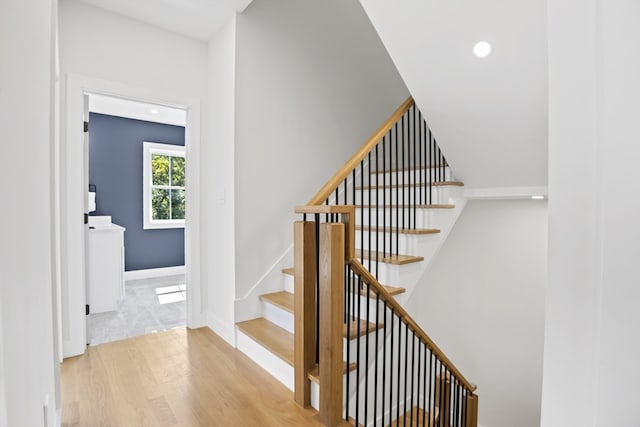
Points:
(105, 273)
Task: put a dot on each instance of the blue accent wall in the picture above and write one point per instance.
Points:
(115, 168)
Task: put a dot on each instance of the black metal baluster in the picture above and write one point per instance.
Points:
(402, 189)
(377, 212)
(431, 170)
(366, 358)
(358, 335)
(384, 362)
(375, 378)
(397, 221)
(415, 182)
(393, 332)
(370, 203)
(353, 187)
(430, 401)
(317, 219)
(362, 250)
(399, 366)
(413, 370)
(419, 373)
(349, 283)
(384, 196)
(406, 366)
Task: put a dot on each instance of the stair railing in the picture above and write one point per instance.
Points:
(331, 284)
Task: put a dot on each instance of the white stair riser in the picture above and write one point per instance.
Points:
(439, 195)
(423, 218)
(394, 243)
(288, 282)
(277, 367)
(277, 315)
(421, 175)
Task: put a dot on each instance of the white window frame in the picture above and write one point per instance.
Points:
(149, 149)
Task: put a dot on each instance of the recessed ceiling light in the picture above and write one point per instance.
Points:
(153, 111)
(537, 197)
(482, 49)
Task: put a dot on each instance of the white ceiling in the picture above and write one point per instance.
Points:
(199, 19)
(489, 115)
(137, 110)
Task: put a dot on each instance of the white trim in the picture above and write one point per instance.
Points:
(73, 195)
(221, 328)
(276, 367)
(150, 273)
(148, 149)
(505, 192)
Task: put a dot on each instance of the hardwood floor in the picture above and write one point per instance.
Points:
(174, 378)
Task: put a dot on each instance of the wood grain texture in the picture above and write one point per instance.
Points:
(282, 299)
(274, 338)
(389, 259)
(304, 317)
(331, 283)
(353, 162)
(315, 376)
(180, 377)
(417, 417)
(290, 271)
(472, 410)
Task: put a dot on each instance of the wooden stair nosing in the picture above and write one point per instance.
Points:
(282, 299)
(389, 259)
(396, 230)
(414, 184)
(391, 289)
(315, 376)
(290, 271)
(364, 328)
(271, 336)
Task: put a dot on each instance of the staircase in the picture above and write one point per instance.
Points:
(397, 206)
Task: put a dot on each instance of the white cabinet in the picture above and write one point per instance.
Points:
(105, 272)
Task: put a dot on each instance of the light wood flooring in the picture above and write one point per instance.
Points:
(178, 377)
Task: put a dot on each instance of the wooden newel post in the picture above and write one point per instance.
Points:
(304, 261)
(472, 410)
(332, 261)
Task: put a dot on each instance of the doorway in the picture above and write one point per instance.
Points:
(136, 204)
(74, 203)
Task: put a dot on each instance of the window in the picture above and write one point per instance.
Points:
(163, 186)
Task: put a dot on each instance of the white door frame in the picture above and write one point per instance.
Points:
(73, 194)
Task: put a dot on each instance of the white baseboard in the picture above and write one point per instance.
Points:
(154, 272)
(505, 192)
(59, 417)
(226, 331)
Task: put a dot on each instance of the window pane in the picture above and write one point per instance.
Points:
(160, 204)
(177, 171)
(160, 169)
(177, 204)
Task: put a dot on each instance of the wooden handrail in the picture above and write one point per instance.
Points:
(353, 162)
(401, 312)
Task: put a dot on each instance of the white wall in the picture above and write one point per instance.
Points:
(27, 350)
(218, 183)
(313, 82)
(591, 351)
(109, 48)
(482, 301)
(490, 111)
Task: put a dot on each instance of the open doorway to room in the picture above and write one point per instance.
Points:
(135, 237)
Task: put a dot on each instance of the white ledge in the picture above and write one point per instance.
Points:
(505, 192)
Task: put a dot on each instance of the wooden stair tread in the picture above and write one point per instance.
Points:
(415, 184)
(391, 289)
(421, 206)
(290, 271)
(416, 231)
(315, 376)
(276, 339)
(364, 328)
(416, 417)
(282, 299)
(389, 259)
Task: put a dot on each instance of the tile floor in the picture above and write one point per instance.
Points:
(149, 305)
